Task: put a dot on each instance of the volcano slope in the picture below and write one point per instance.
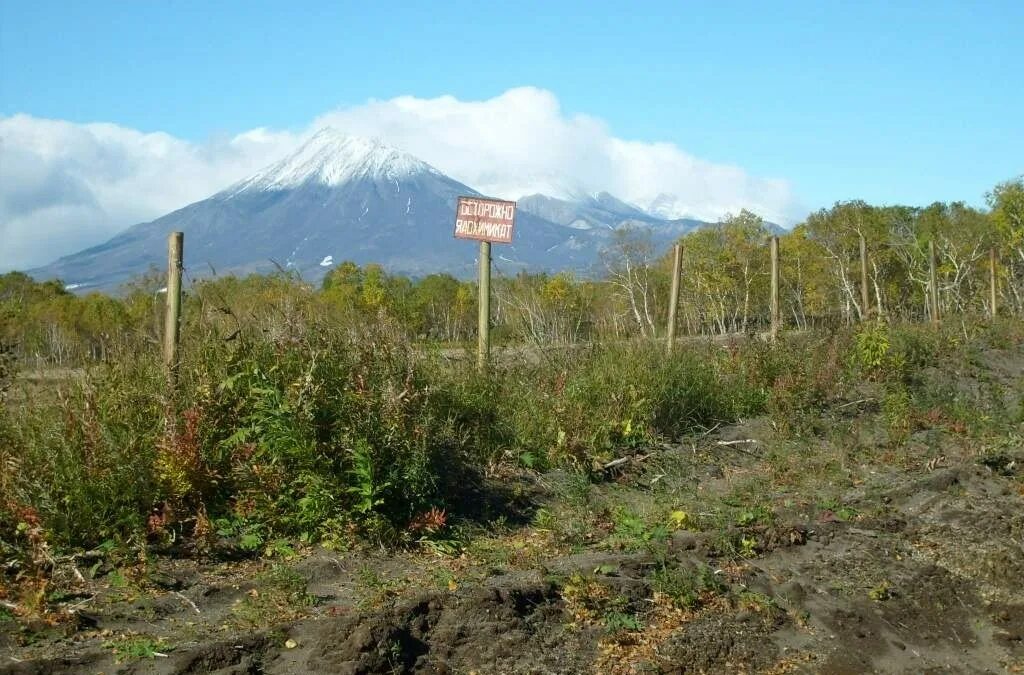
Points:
(878, 531)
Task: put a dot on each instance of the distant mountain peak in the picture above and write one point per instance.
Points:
(668, 207)
(331, 157)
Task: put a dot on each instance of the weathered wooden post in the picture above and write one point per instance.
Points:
(776, 317)
(172, 317)
(673, 300)
(865, 295)
(934, 281)
(992, 280)
(483, 347)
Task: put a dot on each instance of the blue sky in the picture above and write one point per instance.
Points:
(892, 102)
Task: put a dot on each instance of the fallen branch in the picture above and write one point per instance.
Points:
(624, 460)
(736, 445)
(188, 602)
(847, 405)
(82, 603)
(708, 432)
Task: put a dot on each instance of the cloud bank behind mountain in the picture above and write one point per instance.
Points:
(65, 186)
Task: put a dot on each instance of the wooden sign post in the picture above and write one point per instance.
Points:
(486, 221)
(775, 312)
(992, 280)
(933, 279)
(172, 317)
(673, 300)
(483, 345)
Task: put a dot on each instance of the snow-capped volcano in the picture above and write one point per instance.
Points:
(336, 198)
(341, 198)
(333, 158)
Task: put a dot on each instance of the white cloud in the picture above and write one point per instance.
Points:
(64, 186)
(521, 142)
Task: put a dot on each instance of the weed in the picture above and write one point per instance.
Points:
(577, 491)
(881, 592)
(896, 408)
(838, 510)
(616, 621)
(872, 348)
(687, 588)
(758, 602)
(678, 519)
(117, 579)
(279, 592)
(378, 589)
(757, 515)
(444, 578)
(544, 519)
(633, 533)
(748, 546)
(585, 598)
(135, 647)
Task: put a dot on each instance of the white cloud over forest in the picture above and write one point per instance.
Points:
(65, 186)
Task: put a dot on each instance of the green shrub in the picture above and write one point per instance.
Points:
(809, 375)
(85, 460)
(872, 348)
(685, 587)
(615, 397)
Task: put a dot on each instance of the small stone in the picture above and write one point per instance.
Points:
(290, 644)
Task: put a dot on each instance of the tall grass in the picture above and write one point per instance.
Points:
(332, 433)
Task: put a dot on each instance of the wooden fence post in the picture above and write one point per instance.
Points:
(934, 281)
(483, 348)
(172, 317)
(992, 280)
(776, 317)
(865, 294)
(673, 301)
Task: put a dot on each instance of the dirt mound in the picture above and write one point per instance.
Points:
(511, 626)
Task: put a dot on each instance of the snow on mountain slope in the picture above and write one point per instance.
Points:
(585, 212)
(332, 158)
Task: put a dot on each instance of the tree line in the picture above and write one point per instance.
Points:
(724, 286)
